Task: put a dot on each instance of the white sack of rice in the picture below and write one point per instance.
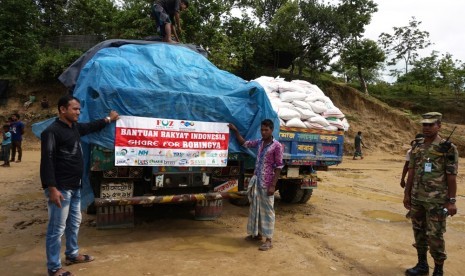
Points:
(295, 122)
(287, 114)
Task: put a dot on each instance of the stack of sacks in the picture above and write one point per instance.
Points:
(302, 104)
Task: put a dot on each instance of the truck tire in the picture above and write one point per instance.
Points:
(306, 196)
(95, 178)
(243, 201)
(290, 192)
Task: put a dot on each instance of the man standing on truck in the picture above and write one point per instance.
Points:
(358, 145)
(165, 13)
(262, 185)
(61, 168)
(430, 194)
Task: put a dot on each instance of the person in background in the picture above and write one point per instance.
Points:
(263, 184)
(166, 15)
(17, 131)
(6, 144)
(9, 121)
(32, 99)
(358, 142)
(61, 168)
(418, 140)
(430, 194)
(44, 103)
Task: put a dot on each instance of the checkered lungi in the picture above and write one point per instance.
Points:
(261, 211)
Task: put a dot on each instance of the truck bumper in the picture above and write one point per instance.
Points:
(144, 200)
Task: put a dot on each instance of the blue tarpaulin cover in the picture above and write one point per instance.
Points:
(164, 81)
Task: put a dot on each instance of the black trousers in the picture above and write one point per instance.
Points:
(16, 145)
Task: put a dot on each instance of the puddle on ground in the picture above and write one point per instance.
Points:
(7, 251)
(385, 216)
(358, 193)
(209, 243)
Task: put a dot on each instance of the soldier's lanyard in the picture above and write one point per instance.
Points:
(428, 166)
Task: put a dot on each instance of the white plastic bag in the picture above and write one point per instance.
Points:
(319, 120)
(301, 104)
(295, 122)
(287, 113)
(292, 96)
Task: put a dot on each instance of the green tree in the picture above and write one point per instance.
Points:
(446, 70)
(405, 43)
(263, 10)
(424, 72)
(452, 74)
(53, 18)
(132, 21)
(352, 18)
(320, 43)
(91, 17)
(365, 55)
(18, 37)
(206, 23)
(287, 32)
(241, 34)
(458, 79)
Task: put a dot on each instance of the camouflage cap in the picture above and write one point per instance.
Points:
(431, 118)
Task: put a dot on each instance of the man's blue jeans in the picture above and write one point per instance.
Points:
(64, 220)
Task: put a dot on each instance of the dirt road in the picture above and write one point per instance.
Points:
(353, 225)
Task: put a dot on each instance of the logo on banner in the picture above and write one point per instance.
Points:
(143, 153)
(183, 162)
(178, 154)
(122, 152)
(186, 123)
(120, 161)
(164, 123)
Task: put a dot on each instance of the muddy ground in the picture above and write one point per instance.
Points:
(353, 225)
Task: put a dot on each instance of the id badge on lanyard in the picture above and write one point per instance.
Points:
(428, 166)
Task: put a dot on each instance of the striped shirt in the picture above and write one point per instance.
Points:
(269, 157)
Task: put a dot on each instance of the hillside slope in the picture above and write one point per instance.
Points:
(384, 128)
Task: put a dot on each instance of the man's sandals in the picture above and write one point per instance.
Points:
(59, 272)
(266, 246)
(69, 261)
(254, 238)
(79, 259)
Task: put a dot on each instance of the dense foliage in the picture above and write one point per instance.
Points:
(246, 37)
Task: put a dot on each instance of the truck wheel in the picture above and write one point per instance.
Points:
(91, 209)
(242, 201)
(95, 181)
(306, 196)
(290, 192)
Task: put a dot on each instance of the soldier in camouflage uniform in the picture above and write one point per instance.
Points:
(430, 194)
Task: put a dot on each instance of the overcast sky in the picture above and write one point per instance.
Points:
(444, 20)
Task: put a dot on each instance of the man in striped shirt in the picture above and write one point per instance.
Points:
(262, 186)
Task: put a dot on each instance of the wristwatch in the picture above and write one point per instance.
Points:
(108, 119)
(452, 200)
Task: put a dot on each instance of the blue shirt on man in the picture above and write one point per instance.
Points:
(17, 129)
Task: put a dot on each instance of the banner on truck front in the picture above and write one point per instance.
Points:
(142, 141)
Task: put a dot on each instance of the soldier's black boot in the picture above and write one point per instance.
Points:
(421, 268)
(438, 271)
